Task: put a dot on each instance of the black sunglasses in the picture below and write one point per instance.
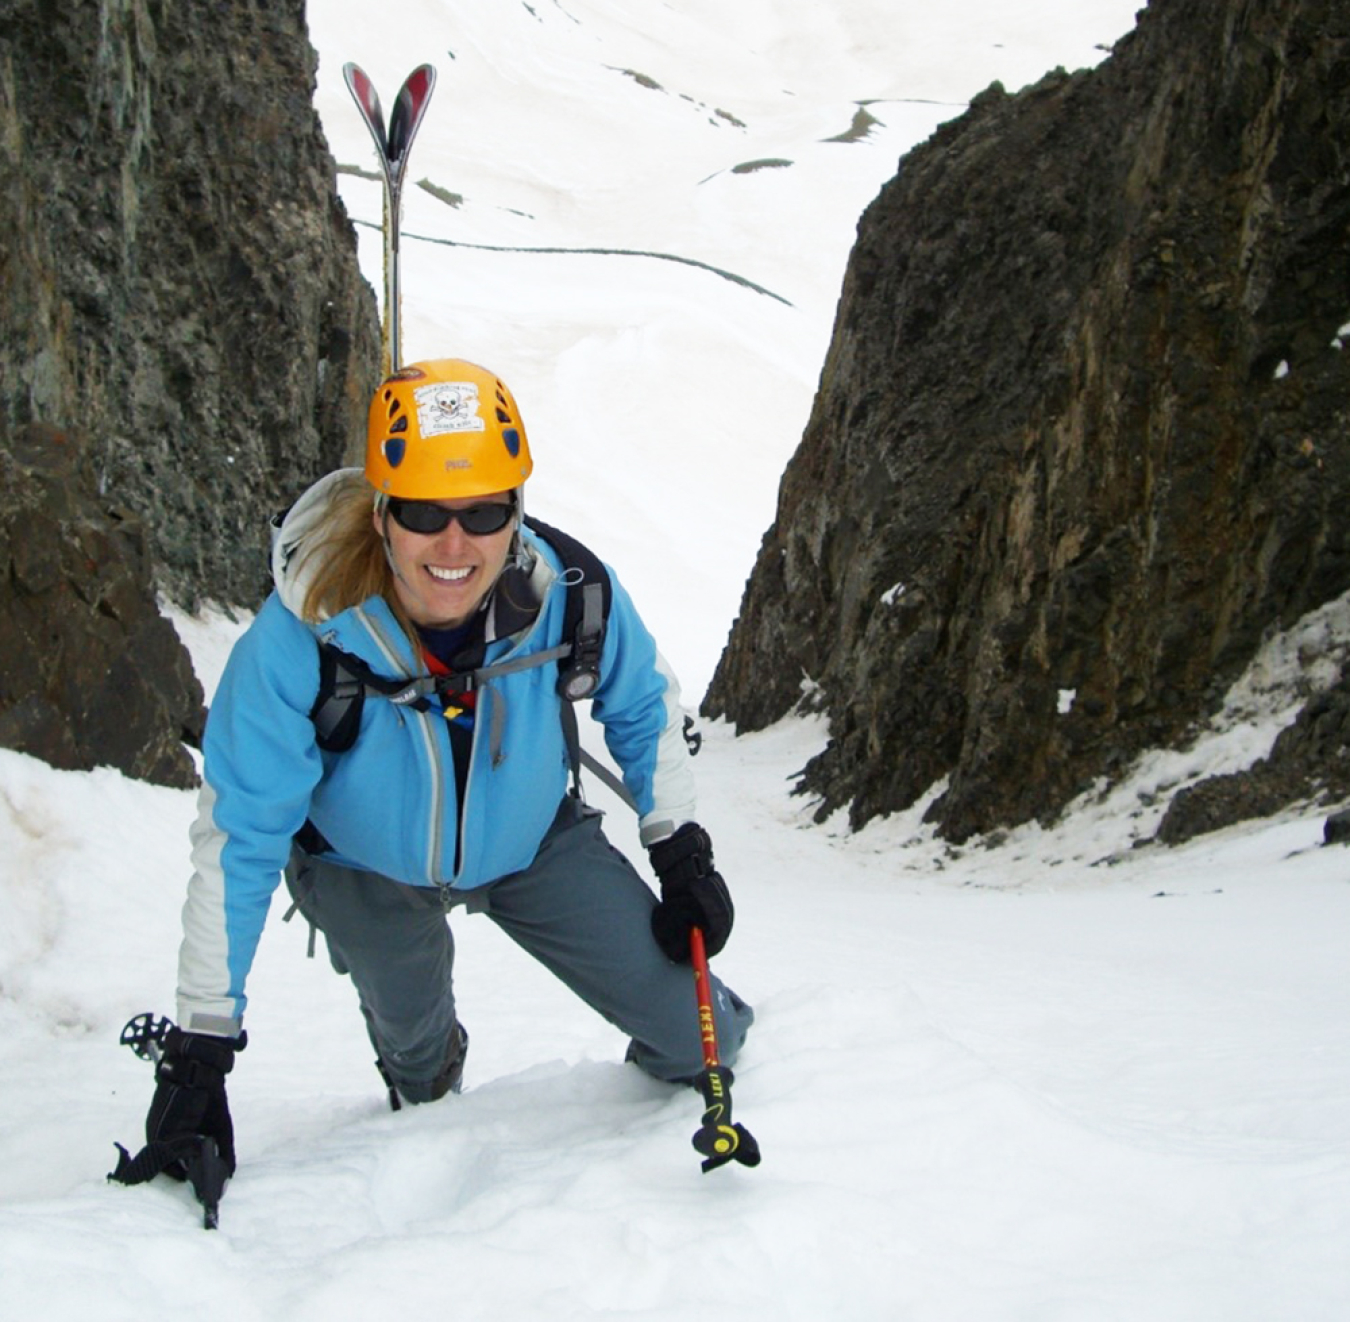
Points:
(426, 517)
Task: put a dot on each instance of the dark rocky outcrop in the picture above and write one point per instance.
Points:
(185, 343)
(90, 672)
(179, 279)
(1081, 435)
(1310, 761)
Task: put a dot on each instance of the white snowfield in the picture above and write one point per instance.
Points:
(1055, 1079)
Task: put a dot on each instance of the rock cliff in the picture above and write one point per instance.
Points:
(179, 301)
(1081, 435)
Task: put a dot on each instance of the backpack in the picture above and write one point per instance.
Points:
(345, 680)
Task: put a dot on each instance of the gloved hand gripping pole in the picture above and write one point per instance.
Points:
(196, 1155)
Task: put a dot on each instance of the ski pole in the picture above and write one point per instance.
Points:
(719, 1140)
(393, 149)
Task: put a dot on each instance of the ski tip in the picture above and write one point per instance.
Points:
(368, 103)
(416, 91)
(409, 107)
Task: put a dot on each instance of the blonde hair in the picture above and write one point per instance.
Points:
(348, 558)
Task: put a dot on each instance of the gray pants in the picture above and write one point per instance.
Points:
(580, 909)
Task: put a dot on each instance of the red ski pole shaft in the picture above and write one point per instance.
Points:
(719, 1139)
(698, 956)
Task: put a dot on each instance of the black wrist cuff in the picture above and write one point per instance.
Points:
(685, 856)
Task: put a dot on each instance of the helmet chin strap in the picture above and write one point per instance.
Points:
(382, 509)
(518, 558)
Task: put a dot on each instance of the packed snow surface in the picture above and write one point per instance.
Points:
(1051, 1078)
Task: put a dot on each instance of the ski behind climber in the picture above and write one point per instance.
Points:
(391, 735)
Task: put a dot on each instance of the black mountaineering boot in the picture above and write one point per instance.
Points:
(395, 1102)
(449, 1080)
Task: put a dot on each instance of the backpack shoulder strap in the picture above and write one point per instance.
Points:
(589, 594)
(344, 681)
(342, 696)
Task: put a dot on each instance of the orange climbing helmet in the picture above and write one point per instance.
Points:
(442, 430)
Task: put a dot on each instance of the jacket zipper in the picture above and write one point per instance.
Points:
(487, 695)
(435, 833)
(435, 837)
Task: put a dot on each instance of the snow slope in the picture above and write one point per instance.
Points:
(1052, 1079)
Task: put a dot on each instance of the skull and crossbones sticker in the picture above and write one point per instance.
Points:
(445, 407)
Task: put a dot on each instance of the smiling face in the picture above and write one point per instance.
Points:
(441, 578)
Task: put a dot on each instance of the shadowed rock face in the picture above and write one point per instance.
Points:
(1081, 435)
(179, 279)
(90, 672)
(185, 343)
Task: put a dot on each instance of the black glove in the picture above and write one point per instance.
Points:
(190, 1094)
(693, 894)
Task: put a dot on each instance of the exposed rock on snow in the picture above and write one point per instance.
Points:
(1050, 408)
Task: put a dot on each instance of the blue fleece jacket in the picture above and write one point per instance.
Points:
(389, 804)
